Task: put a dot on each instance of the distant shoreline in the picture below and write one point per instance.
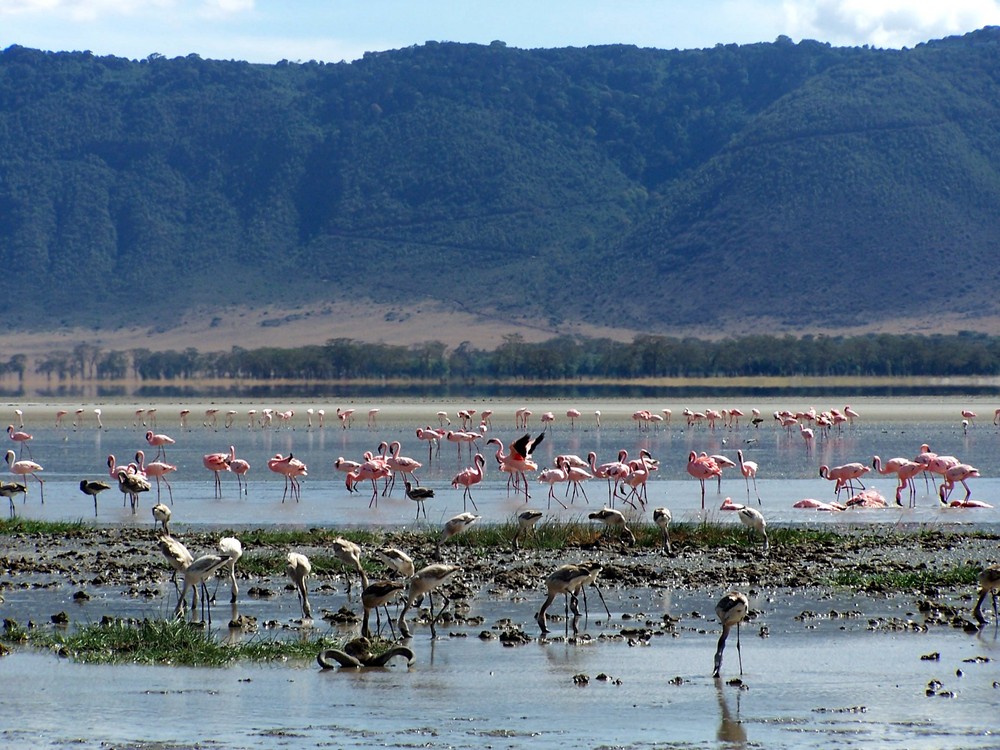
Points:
(37, 388)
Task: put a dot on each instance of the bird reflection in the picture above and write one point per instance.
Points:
(731, 729)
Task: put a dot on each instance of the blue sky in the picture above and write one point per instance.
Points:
(266, 31)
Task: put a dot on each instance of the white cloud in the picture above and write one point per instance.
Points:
(887, 23)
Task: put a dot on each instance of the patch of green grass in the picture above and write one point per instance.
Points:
(167, 642)
(308, 537)
(908, 580)
(14, 526)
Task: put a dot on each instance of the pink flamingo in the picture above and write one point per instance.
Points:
(459, 437)
(906, 472)
(734, 418)
(844, 475)
(957, 473)
(26, 468)
(639, 472)
(807, 435)
(373, 469)
(346, 417)
(552, 477)
(969, 504)
(702, 468)
(157, 470)
(401, 464)
(724, 463)
(19, 436)
(159, 442)
(613, 471)
(211, 418)
(468, 477)
(548, 418)
(850, 414)
(749, 471)
(904, 469)
(240, 467)
(572, 415)
(513, 470)
(345, 465)
(940, 465)
(518, 459)
(61, 413)
(433, 438)
(216, 462)
(291, 468)
(819, 505)
(728, 504)
(577, 475)
(969, 415)
(867, 499)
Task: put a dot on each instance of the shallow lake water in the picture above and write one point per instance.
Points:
(812, 682)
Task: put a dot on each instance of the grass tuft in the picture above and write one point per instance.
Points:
(908, 580)
(165, 642)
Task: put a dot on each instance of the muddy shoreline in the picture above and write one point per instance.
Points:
(101, 560)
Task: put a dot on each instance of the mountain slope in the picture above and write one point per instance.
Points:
(779, 186)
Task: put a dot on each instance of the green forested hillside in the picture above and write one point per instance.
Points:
(795, 184)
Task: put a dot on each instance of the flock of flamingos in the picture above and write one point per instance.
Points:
(626, 480)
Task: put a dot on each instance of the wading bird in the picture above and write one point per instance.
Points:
(526, 521)
(702, 468)
(613, 519)
(298, 571)
(177, 556)
(379, 594)
(753, 519)
(731, 610)
(26, 468)
(9, 489)
(662, 518)
(989, 582)
(844, 475)
(240, 467)
(20, 436)
(93, 488)
(454, 525)
(158, 470)
(400, 562)
(195, 575)
(160, 442)
(468, 477)
(424, 582)
(161, 515)
(216, 462)
(349, 554)
(957, 473)
(418, 495)
(565, 580)
(291, 468)
(231, 548)
(749, 471)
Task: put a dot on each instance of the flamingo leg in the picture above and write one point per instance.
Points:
(739, 653)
